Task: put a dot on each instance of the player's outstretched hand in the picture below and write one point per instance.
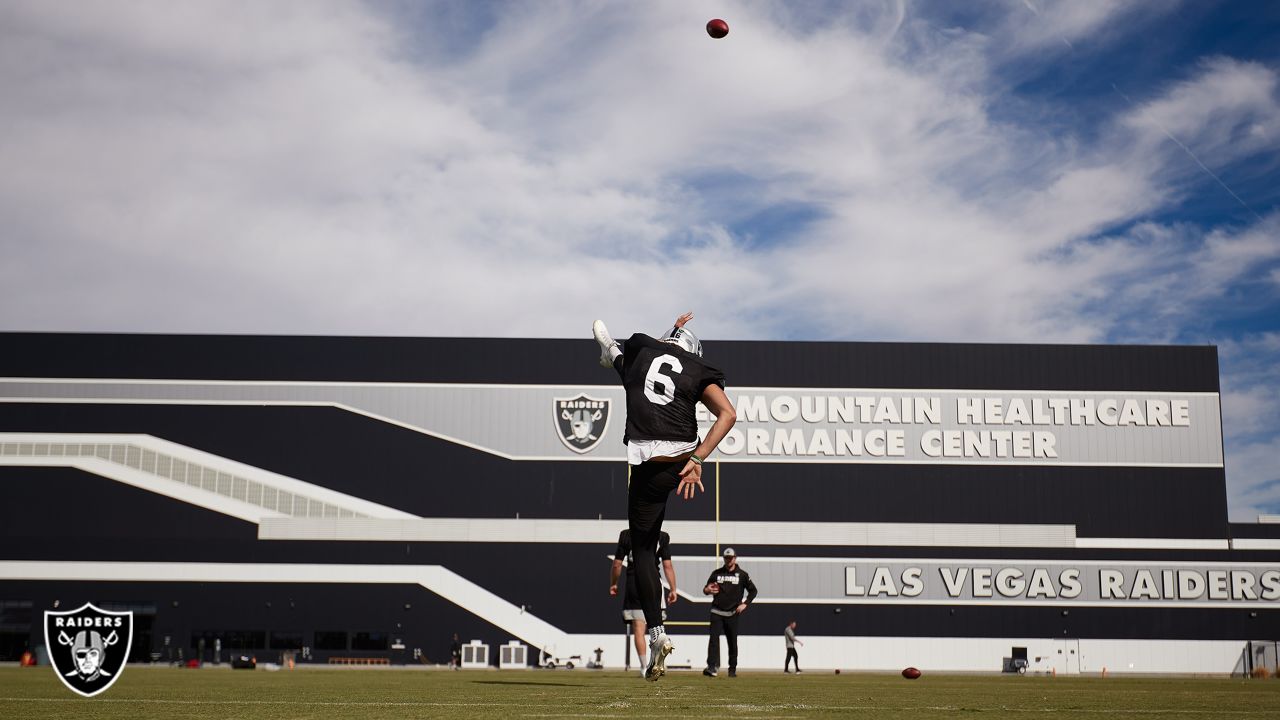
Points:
(680, 321)
(690, 478)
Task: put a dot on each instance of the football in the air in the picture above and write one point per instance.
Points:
(911, 673)
(717, 28)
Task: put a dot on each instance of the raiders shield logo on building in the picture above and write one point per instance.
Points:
(581, 421)
(88, 646)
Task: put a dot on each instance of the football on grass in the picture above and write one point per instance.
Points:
(911, 673)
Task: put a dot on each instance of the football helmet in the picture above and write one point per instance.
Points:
(681, 337)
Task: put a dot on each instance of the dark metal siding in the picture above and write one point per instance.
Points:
(491, 360)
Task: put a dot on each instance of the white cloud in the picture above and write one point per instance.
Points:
(1251, 414)
(1251, 383)
(1227, 110)
(1051, 23)
(1253, 484)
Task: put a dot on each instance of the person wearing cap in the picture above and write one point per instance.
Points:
(727, 585)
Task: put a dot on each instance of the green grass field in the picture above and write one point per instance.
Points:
(332, 694)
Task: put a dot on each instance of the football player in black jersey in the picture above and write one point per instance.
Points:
(664, 379)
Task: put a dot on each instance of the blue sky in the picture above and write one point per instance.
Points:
(1008, 171)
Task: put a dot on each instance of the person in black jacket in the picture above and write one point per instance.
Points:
(727, 584)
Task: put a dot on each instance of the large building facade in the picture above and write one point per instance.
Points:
(943, 506)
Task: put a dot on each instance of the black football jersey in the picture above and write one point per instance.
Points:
(664, 383)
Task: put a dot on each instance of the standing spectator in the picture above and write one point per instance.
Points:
(727, 584)
(789, 633)
(455, 653)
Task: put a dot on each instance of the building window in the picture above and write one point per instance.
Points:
(244, 639)
(286, 641)
(369, 641)
(336, 640)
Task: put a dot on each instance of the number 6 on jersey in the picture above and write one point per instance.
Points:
(660, 388)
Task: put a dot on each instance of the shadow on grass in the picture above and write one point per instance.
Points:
(525, 682)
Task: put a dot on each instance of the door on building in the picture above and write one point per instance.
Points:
(1067, 661)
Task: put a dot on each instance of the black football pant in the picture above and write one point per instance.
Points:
(729, 627)
(651, 483)
(791, 655)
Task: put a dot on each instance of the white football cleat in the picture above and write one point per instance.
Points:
(658, 651)
(608, 346)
